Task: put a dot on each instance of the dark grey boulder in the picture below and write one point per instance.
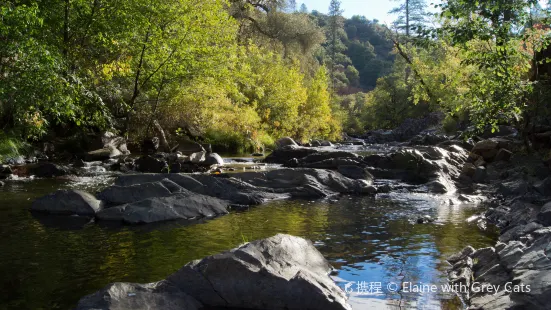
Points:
(117, 195)
(355, 172)
(281, 272)
(69, 202)
(176, 207)
(466, 252)
(44, 170)
(126, 296)
(284, 154)
(515, 187)
(151, 164)
(544, 187)
(544, 217)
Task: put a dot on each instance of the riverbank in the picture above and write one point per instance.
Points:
(515, 273)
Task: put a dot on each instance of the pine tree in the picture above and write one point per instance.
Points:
(334, 25)
(303, 9)
(411, 15)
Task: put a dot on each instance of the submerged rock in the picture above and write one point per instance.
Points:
(278, 273)
(69, 202)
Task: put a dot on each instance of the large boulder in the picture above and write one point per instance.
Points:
(487, 149)
(117, 195)
(68, 202)
(278, 273)
(284, 154)
(355, 172)
(41, 170)
(285, 141)
(182, 206)
(544, 216)
(126, 296)
(281, 272)
(151, 164)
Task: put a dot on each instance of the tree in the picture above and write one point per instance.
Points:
(303, 9)
(335, 24)
(411, 15)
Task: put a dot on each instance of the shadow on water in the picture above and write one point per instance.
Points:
(46, 264)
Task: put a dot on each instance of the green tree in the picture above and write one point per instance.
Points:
(412, 15)
(334, 47)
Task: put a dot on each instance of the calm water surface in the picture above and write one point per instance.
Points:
(50, 262)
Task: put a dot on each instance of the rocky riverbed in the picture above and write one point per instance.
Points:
(452, 170)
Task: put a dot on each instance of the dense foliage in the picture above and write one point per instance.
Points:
(241, 73)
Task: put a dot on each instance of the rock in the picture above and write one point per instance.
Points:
(511, 254)
(437, 187)
(43, 170)
(285, 141)
(284, 154)
(544, 187)
(117, 195)
(315, 143)
(79, 163)
(197, 158)
(322, 156)
(150, 145)
(2, 184)
(466, 252)
(257, 154)
(213, 159)
(484, 145)
(503, 155)
(17, 160)
(69, 202)
(539, 294)
(479, 175)
(468, 169)
(281, 272)
(355, 172)
(102, 154)
(185, 206)
(152, 296)
(326, 143)
(544, 217)
(277, 273)
(151, 164)
(516, 188)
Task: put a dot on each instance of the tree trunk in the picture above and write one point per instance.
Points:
(164, 142)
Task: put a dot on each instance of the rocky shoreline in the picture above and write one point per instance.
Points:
(516, 272)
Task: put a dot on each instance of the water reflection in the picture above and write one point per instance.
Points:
(372, 240)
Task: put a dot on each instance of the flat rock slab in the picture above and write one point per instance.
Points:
(179, 206)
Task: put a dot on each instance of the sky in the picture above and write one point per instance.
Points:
(372, 9)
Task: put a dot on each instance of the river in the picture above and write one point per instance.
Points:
(50, 262)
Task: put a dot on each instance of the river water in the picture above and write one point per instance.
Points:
(51, 262)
